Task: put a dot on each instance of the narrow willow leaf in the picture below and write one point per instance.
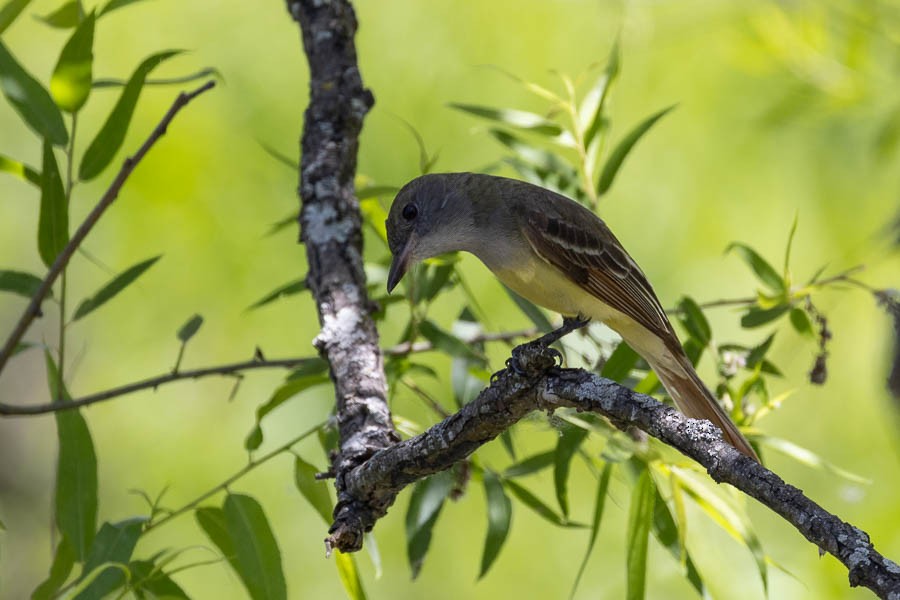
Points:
(29, 98)
(349, 574)
(189, 329)
(20, 170)
(425, 505)
(590, 114)
(288, 289)
(315, 491)
(640, 517)
(70, 84)
(148, 581)
(694, 321)
(212, 521)
(800, 322)
(76, 472)
(566, 446)
(531, 311)
(288, 390)
(447, 342)
(787, 252)
(599, 504)
(667, 532)
(620, 363)
(10, 12)
(63, 561)
(499, 512)
(203, 73)
(17, 282)
(764, 271)
(757, 317)
(53, 221)
(257, 558)
(291, 163)
(115, 5)
(536, 504)
(114, 543)
(532, 464)
(540, 158)
(90, 576)
(518, 119)
(109, 139)
(111, 289)
(809, 458)
(617, 156)
(66, 16)
(758, 353)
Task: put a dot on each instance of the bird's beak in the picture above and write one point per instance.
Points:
(400, 264)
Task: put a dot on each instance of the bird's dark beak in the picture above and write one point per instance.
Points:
(400, 264)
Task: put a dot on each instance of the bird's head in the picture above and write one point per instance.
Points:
(431, 215)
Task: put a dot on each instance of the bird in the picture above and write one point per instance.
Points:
(556, 253)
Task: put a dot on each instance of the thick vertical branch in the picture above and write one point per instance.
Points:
(330, 227)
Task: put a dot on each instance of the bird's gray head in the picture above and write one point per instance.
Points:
(431, 215)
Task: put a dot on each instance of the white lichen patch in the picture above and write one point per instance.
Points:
(321, 224)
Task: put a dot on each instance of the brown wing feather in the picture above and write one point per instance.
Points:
(578, 243)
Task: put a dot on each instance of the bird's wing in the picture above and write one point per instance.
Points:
(580, 245)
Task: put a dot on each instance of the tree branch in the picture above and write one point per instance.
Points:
(33, 310)
(373, 486)
(331, 230)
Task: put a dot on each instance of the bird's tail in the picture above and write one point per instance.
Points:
(694, 399)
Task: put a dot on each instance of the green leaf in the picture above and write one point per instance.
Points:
(212, 521)
(620, 363)
(148, 581)
(76, 472)
(63, 561)
(17, 282)
(70, 84)
(499, 511)
(29, 98)
(531, 311)
(599, 504)
(617, 156)
(694, 321)
(288, 390)
(20, 170)
(534, 503)
(10, 12)
(447, 342)
(590, 113)
(111, 289)
(189, 329)
(288, 289)
(349, 574)
(757, 317)
(114, 544)
(66, 16)
(109, 139)
(809, 458)
(257, 558)
(434, 280)
(640, 517)
(53, 221)
(532, 464)
(203, 73)
(790, 244)
(425, 503)
(758, 353)
(800, 322)
(666, 531)
(115, 5)
(764, 271)
(517, 119)
(569, 441)
(315, 491)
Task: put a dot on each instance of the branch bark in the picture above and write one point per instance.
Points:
(331, 227)
(374, 485)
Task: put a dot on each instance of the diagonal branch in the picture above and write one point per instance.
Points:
(331, 229)
(33, 310)
(373, 486)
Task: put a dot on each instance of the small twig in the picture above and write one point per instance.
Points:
(230, 370)
(33, 309)
(224, 485)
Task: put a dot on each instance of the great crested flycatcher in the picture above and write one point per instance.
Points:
(556, 253)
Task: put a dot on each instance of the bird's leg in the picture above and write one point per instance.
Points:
(527, 353)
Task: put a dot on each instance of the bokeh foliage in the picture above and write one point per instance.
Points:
(781, 119)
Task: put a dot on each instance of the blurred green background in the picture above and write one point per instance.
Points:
(783, 109)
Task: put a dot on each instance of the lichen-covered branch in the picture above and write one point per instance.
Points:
(330, 228)
(375, 484)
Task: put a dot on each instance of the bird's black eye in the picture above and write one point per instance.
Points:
(410, 212)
